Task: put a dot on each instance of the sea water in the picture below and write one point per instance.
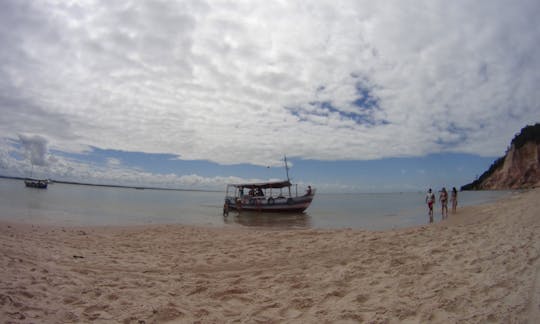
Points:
(79, 205)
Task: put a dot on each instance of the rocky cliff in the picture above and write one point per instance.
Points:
(519, 168)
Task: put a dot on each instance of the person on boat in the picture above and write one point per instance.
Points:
(430, 201)
(259, 192)
(308, 191)
(443, 198)
(453, 198)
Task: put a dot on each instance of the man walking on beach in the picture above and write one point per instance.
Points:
(430, 201)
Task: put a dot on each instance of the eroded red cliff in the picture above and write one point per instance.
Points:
(520, 169)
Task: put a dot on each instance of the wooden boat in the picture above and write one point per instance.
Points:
(34, 183)
(267, 197)
(276, 196)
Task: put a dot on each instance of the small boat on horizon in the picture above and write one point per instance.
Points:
(36, 183)
(273, 196)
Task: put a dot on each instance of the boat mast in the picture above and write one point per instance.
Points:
(286, 167)
(287, 171)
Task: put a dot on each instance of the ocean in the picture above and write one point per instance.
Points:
(79, 205)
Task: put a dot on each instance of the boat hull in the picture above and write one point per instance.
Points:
(290, 205)
(39, 184)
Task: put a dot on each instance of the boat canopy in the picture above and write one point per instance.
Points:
(263, 185)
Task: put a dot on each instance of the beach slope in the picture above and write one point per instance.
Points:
(482, 265)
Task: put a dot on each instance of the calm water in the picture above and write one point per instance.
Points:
(74, 205)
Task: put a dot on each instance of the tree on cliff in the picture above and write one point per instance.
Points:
(530, 133)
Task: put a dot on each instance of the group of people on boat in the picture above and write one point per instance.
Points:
(253, 192)
(443, 199)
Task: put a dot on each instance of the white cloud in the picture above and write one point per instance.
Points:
(35, 148)
(248, 81)
(111, 173)
(113, 162)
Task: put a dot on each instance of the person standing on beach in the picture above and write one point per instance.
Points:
(430, 201)
(453, 198)
(443, 198)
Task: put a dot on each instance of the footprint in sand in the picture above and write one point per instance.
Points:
(167, 314)
(290, 312)
(95, 308)
(70, 300)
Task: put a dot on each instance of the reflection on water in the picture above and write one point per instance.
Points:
(269, 220)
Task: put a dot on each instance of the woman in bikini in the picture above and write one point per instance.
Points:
(443, 198)
(453, 198)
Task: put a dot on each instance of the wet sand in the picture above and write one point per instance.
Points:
(482, 265)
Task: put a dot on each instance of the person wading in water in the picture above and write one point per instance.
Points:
(443, 198)
(453, 198)
(430, 201)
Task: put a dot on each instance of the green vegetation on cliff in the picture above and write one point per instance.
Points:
(530, 133)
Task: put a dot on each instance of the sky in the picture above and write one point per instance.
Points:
(361, 96)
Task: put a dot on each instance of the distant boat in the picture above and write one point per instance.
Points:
(35, 183)
(276, 196)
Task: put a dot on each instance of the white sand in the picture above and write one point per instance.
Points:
(482, 265)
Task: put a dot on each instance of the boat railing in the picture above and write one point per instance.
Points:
(275, 194)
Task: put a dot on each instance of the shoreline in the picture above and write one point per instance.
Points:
(480, 265)
(63, 206)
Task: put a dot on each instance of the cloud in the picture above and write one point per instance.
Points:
(247, 82)
(35, 148)
(112, 172)
(113, 162)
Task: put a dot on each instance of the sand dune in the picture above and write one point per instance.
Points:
(482, 265)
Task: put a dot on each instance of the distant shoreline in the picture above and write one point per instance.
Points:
(113, 186)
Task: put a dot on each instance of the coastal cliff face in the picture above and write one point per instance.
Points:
(518, 169)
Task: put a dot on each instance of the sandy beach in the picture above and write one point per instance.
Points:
(482, 265)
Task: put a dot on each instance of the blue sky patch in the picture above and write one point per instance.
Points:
(366, 99)
(365, 105)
